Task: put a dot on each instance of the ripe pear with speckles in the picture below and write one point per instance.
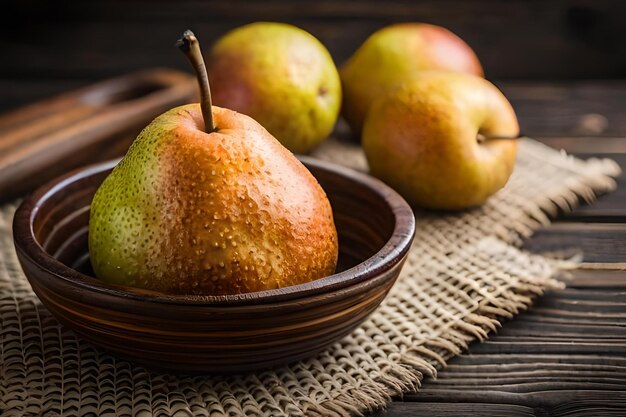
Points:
(206, 201)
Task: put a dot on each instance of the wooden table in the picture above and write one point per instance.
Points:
(567, 355)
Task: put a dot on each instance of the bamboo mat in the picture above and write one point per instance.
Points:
(465, 273)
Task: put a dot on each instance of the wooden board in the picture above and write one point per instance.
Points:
(95, 123)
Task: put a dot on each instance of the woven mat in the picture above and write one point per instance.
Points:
(464, 273)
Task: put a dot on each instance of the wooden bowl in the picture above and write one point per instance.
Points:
(228, 333)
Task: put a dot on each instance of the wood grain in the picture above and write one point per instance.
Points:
(597, 242)
(565, 356)
(574, 108)
(47, 138)
(89, 41)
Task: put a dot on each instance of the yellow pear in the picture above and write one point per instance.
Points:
(281, 76)
(392, 55)
(443, 140)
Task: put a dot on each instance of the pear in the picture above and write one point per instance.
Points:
(206, 201)
(281, 76)
(394, 54)
(443, 140)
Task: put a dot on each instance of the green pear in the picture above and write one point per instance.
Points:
(281, 76)
(206, 201)
(392, 55)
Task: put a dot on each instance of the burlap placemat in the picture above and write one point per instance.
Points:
(464, 272)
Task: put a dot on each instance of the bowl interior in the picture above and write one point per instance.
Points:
(374, 225)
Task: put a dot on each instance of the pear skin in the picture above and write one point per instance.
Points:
(282, 77)
(391, 56)
(226, 212)
(422, 139)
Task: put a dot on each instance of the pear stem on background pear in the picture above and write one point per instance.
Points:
(481, 138)
(189, 44)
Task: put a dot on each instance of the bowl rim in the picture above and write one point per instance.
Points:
(392, 252)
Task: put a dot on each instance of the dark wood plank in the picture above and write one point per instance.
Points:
(527, 344)
(535, 361)
(439, 409)
(597, 242)
(91, 41)
(585, 34)
(589, 278)
(568, 330)
(581, 108)
(588, 146)
(549, 402)
(523, 370)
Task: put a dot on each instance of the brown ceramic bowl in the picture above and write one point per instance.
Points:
(214, 333)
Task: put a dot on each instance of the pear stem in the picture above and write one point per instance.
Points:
(189, 44)
(485, 138)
